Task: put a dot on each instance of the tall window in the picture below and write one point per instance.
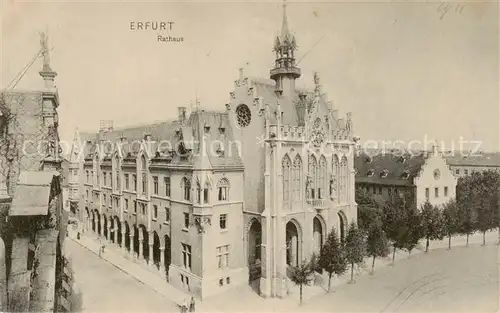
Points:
(427, 193)
(198, 192)
(135, 206)
(286, 166)
(336, 178)
(166, 181)
(87, 173)
(155, 211)
(436, 192)
(134, 178)
(296, 178)
(186, 220)
(186, 256)
(116, 169)
(126, 205)
(223, 189)
(343, 179)
(167, 214)
(311, 184)
(144, 175)
(155, 184)
(104, 178)
(446, 191)
(205, 192)
(223, 256)
(186, 186)
(223, 221)
(321, 174)
(126, 182)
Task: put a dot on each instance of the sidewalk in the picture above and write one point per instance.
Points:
(116, 258)
(244, 299)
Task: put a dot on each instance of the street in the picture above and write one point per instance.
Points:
(464, 279)
(106, 288)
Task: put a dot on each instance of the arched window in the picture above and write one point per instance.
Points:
(336, 177)
(223, 189)
(198, 192)
(205, 192)
(286, 166)
(296, 178)
(186, 186)
(311, 188)
(321, 174)
(144, 175)
(343, 175)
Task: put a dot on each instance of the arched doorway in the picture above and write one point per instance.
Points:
(145, 242)
(254, 250)
(292, 244)
(342, 226)
(127, 236)
(135, 232)
(156, 249)
(105, 226)
(112, 227)
(317, 234)
(168, 253)
(93, 221)
(118, 231)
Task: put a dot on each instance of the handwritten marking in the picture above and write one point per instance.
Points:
(445, 7)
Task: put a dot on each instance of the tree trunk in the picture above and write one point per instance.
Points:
(484, 238)
(329, 281)
(300, 294)
(449, 242)
(427, 245)
(352, 272)
(467, 242)
(373, 265)
(393, 254)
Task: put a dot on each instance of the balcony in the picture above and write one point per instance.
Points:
(319, 204)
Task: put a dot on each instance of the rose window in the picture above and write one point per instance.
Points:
(243, 115)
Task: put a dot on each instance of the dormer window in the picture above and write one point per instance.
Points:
(384, 173)
(406, 175)
(370, 172)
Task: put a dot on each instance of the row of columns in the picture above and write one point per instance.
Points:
(150, 261)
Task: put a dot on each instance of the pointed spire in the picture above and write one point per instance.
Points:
(285, 32)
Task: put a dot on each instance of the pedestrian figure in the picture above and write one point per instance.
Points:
(78, 236)
(184, 306)
(191, 305)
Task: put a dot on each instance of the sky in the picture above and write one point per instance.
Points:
(408, 71)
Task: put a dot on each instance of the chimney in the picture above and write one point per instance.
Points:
(182, 113)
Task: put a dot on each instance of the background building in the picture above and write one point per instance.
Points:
(425, 175)
(274, 171)
(465, 164)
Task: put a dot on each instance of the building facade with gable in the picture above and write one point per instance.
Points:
(465, 164)
(216, 199)
(425, 176)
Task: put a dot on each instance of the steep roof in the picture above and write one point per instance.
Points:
(479, 159)
(32, 193)
(388, 168)
(166, 136)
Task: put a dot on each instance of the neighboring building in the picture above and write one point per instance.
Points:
(465, 164)
(32, 220)
(425, 176)
(235, 196)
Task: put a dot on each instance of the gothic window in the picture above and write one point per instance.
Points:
(344, 179)
(286, 169)
(296, 178)
(144, 175)
(186, 186)
(223, 189)
(336, 178)
(311, 185)
(243, 115)
(198, 192)
(321, 175)
(205, 192)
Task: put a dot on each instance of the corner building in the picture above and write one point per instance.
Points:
(240, 195)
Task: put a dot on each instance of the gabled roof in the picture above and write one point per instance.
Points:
(400, 168)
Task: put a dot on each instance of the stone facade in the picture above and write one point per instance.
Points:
(274, 171)
(466, 164)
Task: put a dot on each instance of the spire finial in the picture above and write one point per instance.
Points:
(284, 28)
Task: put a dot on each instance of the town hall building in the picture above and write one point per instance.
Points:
(213, 200)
